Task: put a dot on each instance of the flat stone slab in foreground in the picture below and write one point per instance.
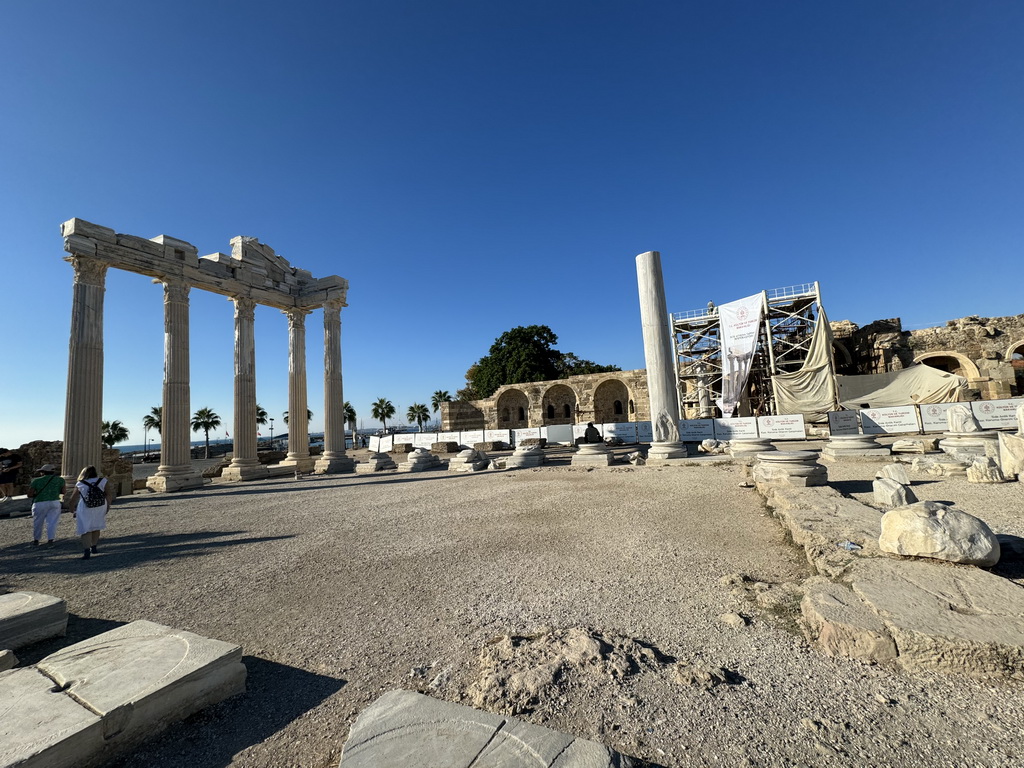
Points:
(28, 617)
(86, 702)
(403, 729)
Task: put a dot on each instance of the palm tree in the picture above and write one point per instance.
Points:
(309, 415)
(261, 415)
(152, 420)
(382, 409)
(418, 412)
(350, 419)
(440, 396)
(205, 419)
(113, 432)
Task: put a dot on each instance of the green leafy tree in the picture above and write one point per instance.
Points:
(205, 419)
(309, 416)
(114, 432)
(570, 365)
(469, 392)
(382, 410)
(419, 413)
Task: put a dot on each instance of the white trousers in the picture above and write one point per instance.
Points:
(48, 512)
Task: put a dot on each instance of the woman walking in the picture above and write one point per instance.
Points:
(93, 495)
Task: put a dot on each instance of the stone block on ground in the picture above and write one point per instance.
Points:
(1011, 455)
(539, 442)
(841, 624)
(420, 460)
(489, 445)
(15, 506)
(28, 617)
(7, 660)
(143, 676)
(985, 470)
(444, 447)
(376, 462)
(403, 729)
(469, 460)
(402, 448)
(919, 445)
(890, 493)
(930, 529)
(895, 472)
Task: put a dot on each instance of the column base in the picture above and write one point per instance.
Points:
(177, 481)
(333, 465)
(237, 472)
(662, 451)
(303, 464)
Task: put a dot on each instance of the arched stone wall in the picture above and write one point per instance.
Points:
(513, 409)
(606, 395)
(559, 400)
(1015, 357)
(967, 368)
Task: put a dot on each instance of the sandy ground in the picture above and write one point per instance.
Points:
(339, 588)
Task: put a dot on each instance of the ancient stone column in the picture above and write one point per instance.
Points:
(83, 414)
(175, 471)
(298, 424)
(245, 464)
(333, 459)
(661, 372)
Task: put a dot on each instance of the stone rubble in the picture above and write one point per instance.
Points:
(985, 470)
(930, 529)
(890, 493)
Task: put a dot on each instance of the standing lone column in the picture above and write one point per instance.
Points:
(83, 414)
(298, 406)
(661, 379)
(334, 459)
(245, 464)
(175, 472)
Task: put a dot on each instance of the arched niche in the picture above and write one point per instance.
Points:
(950, 362)
(559, 399)
(606, 395)
(513, 408)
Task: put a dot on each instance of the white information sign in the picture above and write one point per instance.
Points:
(470, 438)
(424, 439)
(449, 437)
(785, 427)
(497, 436)
(644, 432)
(997, 414)
(559, 433)
(730, 429)
(526, 433)
(623, 430)
(387, 443)
(933, 416)
(401, 438)
(843, 423)
(695, 430)
(375, 443)
(895, 420)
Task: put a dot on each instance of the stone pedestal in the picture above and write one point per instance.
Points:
(967, 446)
(746, 447)
(853, 446)
(378, 462)
(794, 468)
(592, 455)
(420, 460)
(469, 460)
(525, 456)
(667, 450)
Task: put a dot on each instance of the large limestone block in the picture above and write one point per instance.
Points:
(841, 624)
(142, 676)
(889, 493)
(946, 617)
(28, 617)
(41, 728)
(1011, 455)
(895, 472)
(930, 529)
(985, 470)
(403, 729)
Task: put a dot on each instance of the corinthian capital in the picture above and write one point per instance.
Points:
(176, 290)
(296, 318)
(244, 307)
(89, 271)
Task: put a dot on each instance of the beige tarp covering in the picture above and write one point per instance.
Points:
(811, 390)
(919, 384)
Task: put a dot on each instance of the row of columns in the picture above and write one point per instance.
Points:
(84, 410)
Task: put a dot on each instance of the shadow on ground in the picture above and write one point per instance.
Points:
(118, 552)
(275, 695)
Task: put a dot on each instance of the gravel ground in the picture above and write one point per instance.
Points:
(340, 588)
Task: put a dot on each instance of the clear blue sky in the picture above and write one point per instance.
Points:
(471, 166)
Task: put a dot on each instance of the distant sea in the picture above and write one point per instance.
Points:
(281, 440)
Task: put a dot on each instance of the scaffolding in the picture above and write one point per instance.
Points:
(784, 342)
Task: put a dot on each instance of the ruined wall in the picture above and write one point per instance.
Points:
(40, 452)
(619, 396)
(987, 351)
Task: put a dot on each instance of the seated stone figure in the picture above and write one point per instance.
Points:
(961, 419)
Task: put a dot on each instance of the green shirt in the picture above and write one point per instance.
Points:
(47, 488)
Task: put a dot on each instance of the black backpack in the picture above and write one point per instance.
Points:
(94, 495)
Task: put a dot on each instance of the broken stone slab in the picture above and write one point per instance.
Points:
(420, 460)
(941, 466)
(592, 455)
(946, 617)
(918, 445)
(931, 529)
(1011, 455)
(895, 472)
(377, 462)
(469, 460)
(44, 728)
(889, 493)
(403, 728)
(965, 447)
(985, 470)
(28, 617)
(841, 624)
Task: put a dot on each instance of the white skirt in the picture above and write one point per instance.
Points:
(90, 518)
